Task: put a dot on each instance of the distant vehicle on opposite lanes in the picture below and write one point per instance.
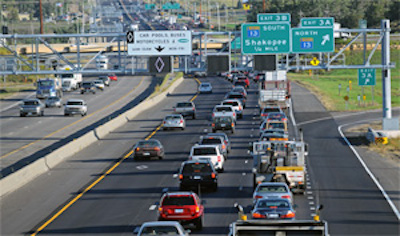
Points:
(105, 79)
(31, 107)
(146, 149)
(99, 84)
(113, 77)
(75, 106)
(174, 121)
(53, 101)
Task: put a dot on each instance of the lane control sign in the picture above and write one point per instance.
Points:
(159, 43)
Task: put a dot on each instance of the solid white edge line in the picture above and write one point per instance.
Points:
(385, 195)
(292, 118)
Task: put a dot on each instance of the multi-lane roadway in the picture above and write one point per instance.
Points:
(89, 202)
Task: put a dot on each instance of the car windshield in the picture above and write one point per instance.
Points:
(98, 82)
(147, 144)
(211, 141)
(205, 85)
(272, 204)
(196, 168)
(204, 151)
(223, 109)
(272, 189)
(74, 103)
(223, 119)
(236, 96)
(31, 103)
(268, 110)
(46, 83)
(87, 84)
(53, 98)
(178, 201)
(160, 230)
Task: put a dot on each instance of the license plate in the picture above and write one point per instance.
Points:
(223, 125)
(146, 154)
(197, 177)
(178, 210)
(273, 216)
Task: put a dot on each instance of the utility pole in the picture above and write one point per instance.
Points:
(264, 6)
(219, 21)
(41, 16)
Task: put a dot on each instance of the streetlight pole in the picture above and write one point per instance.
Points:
(219, 20)
(41, 16)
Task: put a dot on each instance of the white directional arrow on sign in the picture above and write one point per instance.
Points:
(325, 38)
(366, 81)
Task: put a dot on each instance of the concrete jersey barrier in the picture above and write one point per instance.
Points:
(23, 176)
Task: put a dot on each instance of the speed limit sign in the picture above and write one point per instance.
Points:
(130, 37)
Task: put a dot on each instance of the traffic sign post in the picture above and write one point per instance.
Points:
(157, 43)
(317, 22)
(265, 38)
(366, 77)
(273, 18)
(312, 40)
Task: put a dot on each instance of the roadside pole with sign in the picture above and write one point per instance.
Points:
(367, 77)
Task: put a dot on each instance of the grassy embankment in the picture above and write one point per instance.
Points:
(165, 82)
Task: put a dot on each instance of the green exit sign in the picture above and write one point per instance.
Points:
(273, 18)
(317, 22)
(366, 77)
(265, 38)
(312, 40)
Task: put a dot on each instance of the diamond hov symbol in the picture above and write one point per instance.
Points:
(159, 64)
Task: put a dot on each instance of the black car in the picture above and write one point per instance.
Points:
(88, 86)
(223, 123)
(198, 173)
(273, 209)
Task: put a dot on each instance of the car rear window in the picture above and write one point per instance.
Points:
(231, 103)
(184, 105)
(211, 141)
(275, 125)
(172, 117)
(236, 96)
(272, 189)
(160, 230)
(204, 151)
(223, 119)
(31, 103)
(178, 201)
(74, 103)
(273, 109)
(223, 109)
(196, 168)
(147, 144)
(269, 203)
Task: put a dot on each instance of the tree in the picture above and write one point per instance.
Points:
(393, 12)
(376, 12)
(13, 14)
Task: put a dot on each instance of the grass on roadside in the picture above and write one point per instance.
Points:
(165, 83)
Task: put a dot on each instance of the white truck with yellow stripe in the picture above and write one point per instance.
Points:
(280, 161)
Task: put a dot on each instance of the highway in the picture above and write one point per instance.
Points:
(24, 139)
(120, 201)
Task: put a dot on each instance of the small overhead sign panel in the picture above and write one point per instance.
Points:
(273, 18)
(317, 22)
(158, 43)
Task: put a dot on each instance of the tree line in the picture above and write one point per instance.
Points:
(346, 12)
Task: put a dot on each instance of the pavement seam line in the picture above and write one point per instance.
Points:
(76, 122)
(385, 195)
(76, 198)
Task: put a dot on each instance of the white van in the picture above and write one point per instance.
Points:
(208, 152)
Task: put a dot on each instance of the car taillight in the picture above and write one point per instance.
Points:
(160, 209)
(284, 119)
(286, 196)
(213, 175)
(232, 124)
(226, 142)
(219, 158)
(181, 121)
(157, 148)
(212, 115)
(258, 197)
(240, 108)
(197, 209)
(223, 146)
(258, 215)
(213, 125)
(290, 214)
(174, 109)
(190, 157)
(163, 122)
(263, 114)
(192, 108)
(180, 176)
(137, 149)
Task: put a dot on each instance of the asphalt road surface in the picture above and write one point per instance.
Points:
(117, 203)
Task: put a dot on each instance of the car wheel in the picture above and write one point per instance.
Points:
(82, 92)
(22, 115)
(194, 116)
(221, 170)
(65, 114)
(213, 130)
(94, 92)
(165, 128)
(233, 131)
(160, 157)
(47, 106)
(215, 187)
(83, 114)
(182, 128)
(199, 223)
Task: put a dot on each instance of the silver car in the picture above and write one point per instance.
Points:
(75, 106)
(205, 88)
(31, 107)
(53, 102)
(105, 80)
(162, 228)
(174, 121)
(269, 190)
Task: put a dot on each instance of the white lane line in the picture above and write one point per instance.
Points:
(312, 208)
(309, 192)
(308, 187)
(311, 203)
(152, 207)
(395, 210)
(310, 197)
(243, 173)
(313, 214)
(246, 161)
(293, 119)
(25, 127)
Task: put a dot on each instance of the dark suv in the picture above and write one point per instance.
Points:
(198, 173)
(185, 207)
(223, 123)
(88, 87)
